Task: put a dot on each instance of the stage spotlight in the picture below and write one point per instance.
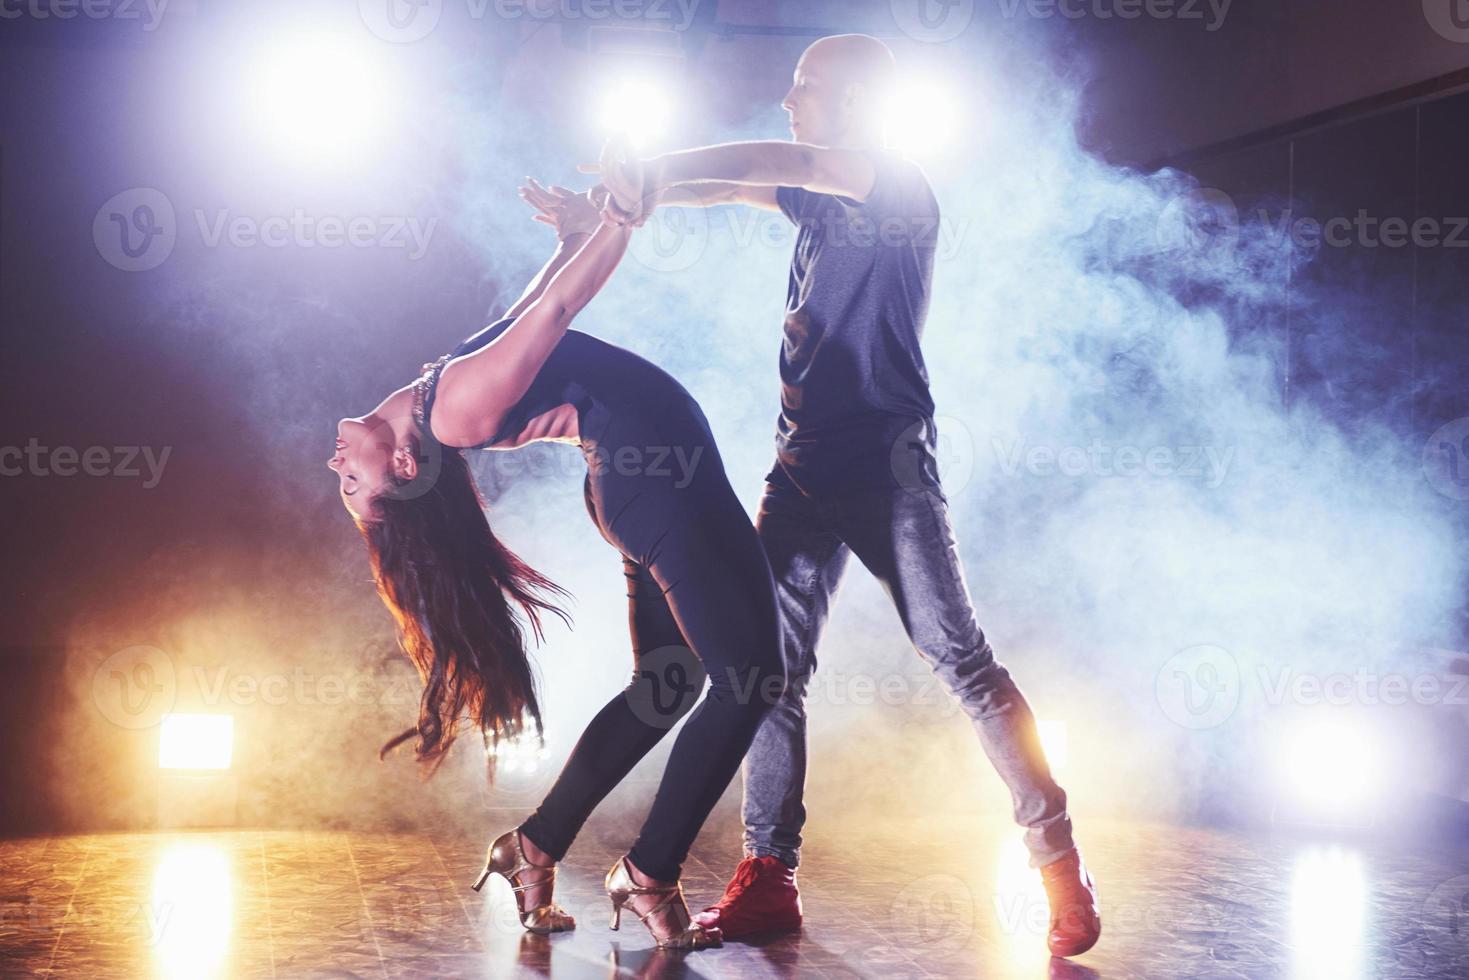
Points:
(1330, 765)
(923, 118)
(1020, 904)
(196, 741)
(522, 754)
(638, 108)
(318, 96)
(1053, 742)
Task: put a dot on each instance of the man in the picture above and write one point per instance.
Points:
(855, 469)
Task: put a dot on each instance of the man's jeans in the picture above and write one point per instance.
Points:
(904, 538)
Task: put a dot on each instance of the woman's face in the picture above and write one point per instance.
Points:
(364, 462)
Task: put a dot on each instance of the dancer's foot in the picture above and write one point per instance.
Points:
(1076, 924)
(659, 905)
(539, 879)
(761, 897)
(532, 876)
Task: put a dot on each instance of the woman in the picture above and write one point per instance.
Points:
(698, 578)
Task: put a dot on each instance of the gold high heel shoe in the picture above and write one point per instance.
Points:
(506, 859)
(621, 887)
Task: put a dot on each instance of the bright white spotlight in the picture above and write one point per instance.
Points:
(923, 118)
(637, 108)
(1330, 764)
(318, 96)
(523, 753)
(196, 741)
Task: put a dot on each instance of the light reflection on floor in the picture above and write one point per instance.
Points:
(1019, 904)
(192, 910)
(881, 902)
(1328, 915)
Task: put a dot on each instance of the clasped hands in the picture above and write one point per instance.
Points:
(624, 197)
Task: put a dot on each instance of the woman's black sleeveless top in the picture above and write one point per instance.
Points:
(620, 398)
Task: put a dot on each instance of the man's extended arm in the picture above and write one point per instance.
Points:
(757, 166)
(778, 163)
(709, 193)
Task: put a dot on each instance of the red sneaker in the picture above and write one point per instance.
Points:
(1076, 925)
(761, 897)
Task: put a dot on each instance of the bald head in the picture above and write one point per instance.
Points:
(842, 87)
(856, 59)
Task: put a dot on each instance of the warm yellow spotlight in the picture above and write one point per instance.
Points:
(196, 741)
(1053, 742)
(1021, 907)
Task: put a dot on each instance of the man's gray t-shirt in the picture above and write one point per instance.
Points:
(855, 406)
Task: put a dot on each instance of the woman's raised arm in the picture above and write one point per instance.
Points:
(476, 391)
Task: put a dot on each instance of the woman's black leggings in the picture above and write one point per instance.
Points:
(701, 603)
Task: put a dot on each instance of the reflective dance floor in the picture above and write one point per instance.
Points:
(957, 903)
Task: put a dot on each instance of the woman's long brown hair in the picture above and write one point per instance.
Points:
(450, 583)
